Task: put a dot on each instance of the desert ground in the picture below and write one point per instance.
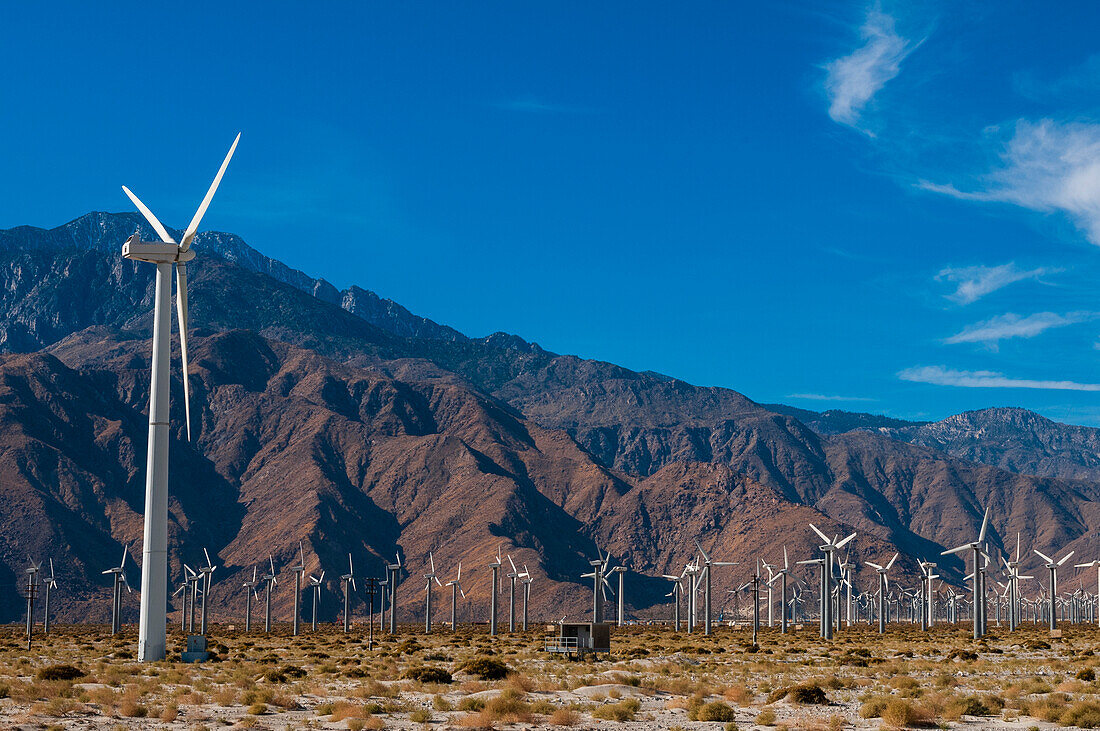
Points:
(80, 677)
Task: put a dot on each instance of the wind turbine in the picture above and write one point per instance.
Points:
(846, 567)
(207, 573)
(249, 591)
(707, 564)
(784, 572)
(977, 590)
(269, 581)
(928, 575)
(754, 583)
(456, 589)
(395, 571)
(119, 575)
(495, 566)
(347, 583)
(620, 570)
(1014, 578)
(512, 576)
(1053, 567)
(430, 577)
(677, 587)
(194, 578)
(599, 584)
(883, 587)
(299, 569)
(829, 548)
(49, 582)
(152, 630)
(1088, 565)
(526, 580)
(32, 589)
(316, 582)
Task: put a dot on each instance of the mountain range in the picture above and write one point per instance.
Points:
(342, 420)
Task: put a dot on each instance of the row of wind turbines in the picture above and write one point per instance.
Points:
(836, 592)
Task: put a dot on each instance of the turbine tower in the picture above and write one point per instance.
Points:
(299, 569)
(456, 589)
(119, 575)
(883, 587)
(495, 566)
(784, 572)
(512, 576)
(977, 591)
(620, 570)
(347, 583)
(249, 592)
(394, 571)
(829, 548)
(430, 577)
(206, 572)
(707, 564)
(269, 581)
(526, 579)
(316, 582)
(1053, 566)
(152, 629)
(49, 583)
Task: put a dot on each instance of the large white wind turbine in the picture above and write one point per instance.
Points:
(165, 254)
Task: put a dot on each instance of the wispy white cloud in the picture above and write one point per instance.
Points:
(826, 397)
(853, 80)
(974, 282)
(1011, 325)
(1046, 166)
(943, 376)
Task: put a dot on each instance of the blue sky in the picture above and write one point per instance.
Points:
(891, 207)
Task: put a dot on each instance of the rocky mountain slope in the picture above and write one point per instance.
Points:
(1017, 440)
(320, 421)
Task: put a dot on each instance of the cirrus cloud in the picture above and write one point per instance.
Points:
(1011, 325)
(852, 81)
(1046, 166)
(943, 376)
(974, 282)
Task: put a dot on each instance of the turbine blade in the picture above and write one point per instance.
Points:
(957, 549)
(1065, 558)
(181, 313)
(985, 526)
(193, 227)
(1043, 556)
(700, 547)
(786, 563)
(891, 563)
(822, 535)
(845, 541)
(156, 224)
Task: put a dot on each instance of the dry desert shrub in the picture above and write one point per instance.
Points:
(624, 710)
(564, 717)
(738, 694)
(901, 713)
(1083, 714)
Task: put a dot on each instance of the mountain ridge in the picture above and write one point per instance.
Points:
(311, 415)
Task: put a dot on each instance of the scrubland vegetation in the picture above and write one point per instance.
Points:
(80, 677)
